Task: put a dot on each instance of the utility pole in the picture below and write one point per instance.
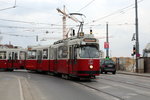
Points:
(137, 37)
(107, 41)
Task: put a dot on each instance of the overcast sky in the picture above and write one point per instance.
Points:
(29, 18)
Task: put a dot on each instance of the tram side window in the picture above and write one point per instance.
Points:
(45, 54)
(22, 55)
(2, 54)
(62, 52)
(9, 56)
(52, 53)
(15, 56)
(32, 54)
(39, 55)
(55, 53)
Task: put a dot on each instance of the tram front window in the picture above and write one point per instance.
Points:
(89, 52)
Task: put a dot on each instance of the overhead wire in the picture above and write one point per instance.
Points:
(19, 21)
(9, 7)
(113, 13)
(16, 35)
(86, 5)
(20, 27)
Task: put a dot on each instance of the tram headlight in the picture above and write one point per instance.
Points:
(91, 66)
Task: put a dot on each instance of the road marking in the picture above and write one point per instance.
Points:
(29, 77)
(20, 88)
(104, 87)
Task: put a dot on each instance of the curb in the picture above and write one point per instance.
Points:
(134, 74)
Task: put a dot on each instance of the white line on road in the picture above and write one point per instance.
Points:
(20, 88)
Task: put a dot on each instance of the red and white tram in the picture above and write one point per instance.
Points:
(11, 59)
(38, 58)
(74, 57)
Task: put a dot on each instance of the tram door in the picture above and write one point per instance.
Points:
(55, 60)
(12, 60)
(3, 60)
(39, 60)
(72, 60)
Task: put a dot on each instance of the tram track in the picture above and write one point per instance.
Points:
(98, 90)
(136, 90)
(128, 82)
(116, 96)
(134, 74)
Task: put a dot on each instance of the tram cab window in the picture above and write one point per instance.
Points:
(2, 54)
(45, 54)
(89, 51)
(32, 54)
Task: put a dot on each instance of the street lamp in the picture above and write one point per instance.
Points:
(137, 37)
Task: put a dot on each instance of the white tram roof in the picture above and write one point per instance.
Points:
(76, 40)
(12, 49)
(68, 41)
(38, 47)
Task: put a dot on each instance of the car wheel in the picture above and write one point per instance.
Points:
(101, 71)
(114, 72)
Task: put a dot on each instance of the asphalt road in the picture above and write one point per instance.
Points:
(23, 85)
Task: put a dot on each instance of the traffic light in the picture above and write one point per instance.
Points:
(134, 50)
(107, 58)
(91, 31)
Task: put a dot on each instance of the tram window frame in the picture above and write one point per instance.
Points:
(9, 56)
(15, 55)
(3, 55)
(51, 54)
(39, 54)
(63, 52)
(22, 55)
(75, 53)
(55, 53)
(45, 54)
(88, 55)
(30, 54)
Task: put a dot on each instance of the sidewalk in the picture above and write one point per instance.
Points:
(133, 73)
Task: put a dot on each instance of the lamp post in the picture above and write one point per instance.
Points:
(137, 37)
(107, 41)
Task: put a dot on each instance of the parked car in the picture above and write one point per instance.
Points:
(107, 66)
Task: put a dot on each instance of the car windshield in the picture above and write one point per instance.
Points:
(89, 52)
(109, 62)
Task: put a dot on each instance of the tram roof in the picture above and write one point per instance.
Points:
(75, 39)
(12, 49)
(38, 47)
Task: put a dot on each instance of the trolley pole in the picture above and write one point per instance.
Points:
(137, 37)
